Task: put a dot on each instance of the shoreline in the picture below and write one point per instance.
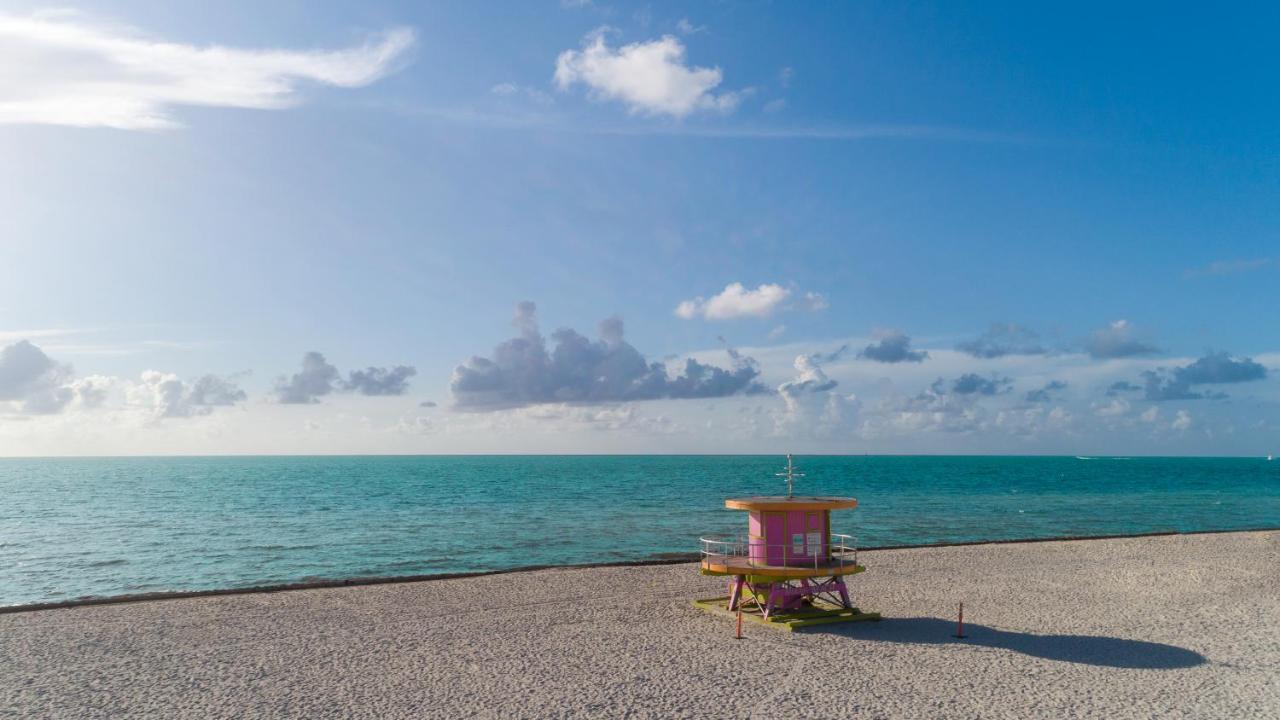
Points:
(666, 559)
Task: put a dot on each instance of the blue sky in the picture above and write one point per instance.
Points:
(212, 191)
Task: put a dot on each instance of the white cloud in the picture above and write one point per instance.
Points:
(164, 395)
(80, 73)
(511, 90)
(814, 302)
(688, 28)
(31, 382)
(651, 78)
(810, 405)
(10, 336)
(1182, 421)
(735, 301)
(1116, 408)
(1117, 340)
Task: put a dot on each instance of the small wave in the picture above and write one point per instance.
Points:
(106, 563)
(278, 547)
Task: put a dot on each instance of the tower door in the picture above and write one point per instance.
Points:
(775, 537)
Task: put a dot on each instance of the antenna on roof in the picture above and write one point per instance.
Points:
(790, 475)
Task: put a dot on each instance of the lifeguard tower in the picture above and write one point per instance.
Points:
(790, 569)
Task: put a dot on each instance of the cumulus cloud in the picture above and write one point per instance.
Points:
(319, 378)
(1117, 340)
(810, 405)
(92, 391)
(1182, 421)
(956, 406)
(31, 382)
(380, 381)
(1212, 369)
(522, 371)
(934, 409)
(83, 73)
(1116, 408)
(1043, 394)
(167, 396)
(1122, 386)
(1003, 339)
(892, 346)
(650, 78)
(316, 379)
(974, 384)
(735, 301)
(810, 379)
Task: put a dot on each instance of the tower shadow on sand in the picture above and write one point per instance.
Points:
(1084, 649)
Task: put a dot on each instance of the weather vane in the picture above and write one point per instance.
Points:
(790, 475)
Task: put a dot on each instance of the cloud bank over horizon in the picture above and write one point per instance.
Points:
(552, 389)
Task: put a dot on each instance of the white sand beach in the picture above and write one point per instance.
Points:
(1170, 627)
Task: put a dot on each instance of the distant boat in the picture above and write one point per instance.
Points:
(1271, 457)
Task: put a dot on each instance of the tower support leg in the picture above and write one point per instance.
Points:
(844, 592)
(773, 600)
(735, 592)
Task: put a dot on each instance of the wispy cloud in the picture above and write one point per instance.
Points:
(844, 133)
(1231, 267)
(85, 73)
(8, 336)
(1003, 339)
(541, 120)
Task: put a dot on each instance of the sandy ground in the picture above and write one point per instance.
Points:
(1184, 626)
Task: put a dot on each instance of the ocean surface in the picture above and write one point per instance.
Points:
(97, 527)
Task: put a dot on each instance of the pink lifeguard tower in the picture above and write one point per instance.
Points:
(790, 569)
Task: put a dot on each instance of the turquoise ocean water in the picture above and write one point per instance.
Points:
(98, 527)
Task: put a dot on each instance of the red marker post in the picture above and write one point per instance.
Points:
(739, 632)
(960, 625)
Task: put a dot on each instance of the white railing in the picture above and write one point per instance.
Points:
(841, 550)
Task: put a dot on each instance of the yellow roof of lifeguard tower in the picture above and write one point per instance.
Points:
(764, 502)
(790, 502)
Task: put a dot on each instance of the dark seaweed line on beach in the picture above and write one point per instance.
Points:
(665, 559)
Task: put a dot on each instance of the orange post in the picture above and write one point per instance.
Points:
(960, 624)
(739, 632)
